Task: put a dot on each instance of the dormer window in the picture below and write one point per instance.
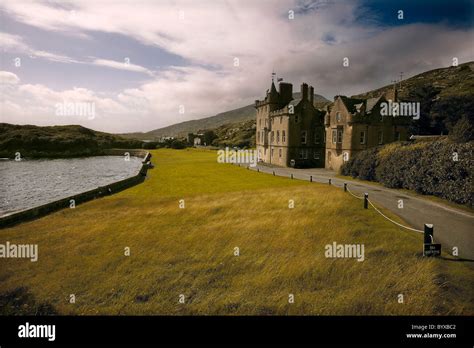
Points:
(338, 117)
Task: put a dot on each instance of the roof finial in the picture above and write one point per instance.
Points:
(273, 75)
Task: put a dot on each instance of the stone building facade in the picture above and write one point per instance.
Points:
(294, 133)
(290, 132)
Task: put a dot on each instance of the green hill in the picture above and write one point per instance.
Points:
(446, 95)
(58, 141)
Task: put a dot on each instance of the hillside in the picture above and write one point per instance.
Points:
(445, 95)
(58, 141)
(242, 114)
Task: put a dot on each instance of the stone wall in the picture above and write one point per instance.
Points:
(45, 209)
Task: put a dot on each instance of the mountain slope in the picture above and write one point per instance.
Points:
(445, 95)
(242, 114)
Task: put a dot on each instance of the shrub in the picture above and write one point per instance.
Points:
(441, 168)
(463, 131)
(151, 145)
(362, 165)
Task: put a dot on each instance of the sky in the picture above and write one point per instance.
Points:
(136, 65)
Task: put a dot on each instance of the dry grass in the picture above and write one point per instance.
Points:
(190, 251)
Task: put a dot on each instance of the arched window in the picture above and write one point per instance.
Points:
(283, 136)
(278, 136)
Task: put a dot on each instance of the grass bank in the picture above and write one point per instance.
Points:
(190, 251)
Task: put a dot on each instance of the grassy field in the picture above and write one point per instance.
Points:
(190, 251)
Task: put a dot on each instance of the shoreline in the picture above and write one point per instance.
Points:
(28, 214)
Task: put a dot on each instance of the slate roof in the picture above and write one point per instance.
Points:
(370, 103)
(351, 103)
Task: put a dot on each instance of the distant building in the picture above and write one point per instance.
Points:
(195, 139)
(293, 132)
(163, 139)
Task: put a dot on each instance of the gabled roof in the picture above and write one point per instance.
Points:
(350, 103)
(370, 103)
(295, 102)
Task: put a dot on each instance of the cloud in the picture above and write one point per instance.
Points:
(121, 66)
(15, 44)
(8, 78)
(211, 36)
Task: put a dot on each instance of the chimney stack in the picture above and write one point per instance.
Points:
(304, 91)
(311, 94)
(286, 91)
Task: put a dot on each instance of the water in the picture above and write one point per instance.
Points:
(30, 183)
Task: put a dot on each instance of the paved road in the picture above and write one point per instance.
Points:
(452, 227)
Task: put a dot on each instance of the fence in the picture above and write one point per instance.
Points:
(428, 228)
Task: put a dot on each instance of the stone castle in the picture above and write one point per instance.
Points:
(295, 133)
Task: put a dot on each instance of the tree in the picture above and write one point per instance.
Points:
(463, 131)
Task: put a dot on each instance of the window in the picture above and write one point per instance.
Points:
(278, 136)
(283, 136)
(304, 154)
(279, 153)
(380, 137)
(338, 117)
(272, 136)
(339, 135)
(316, 155)
(303, 137)
(271, 153)
(317, 137)
(362, 137)
(334, 136)
(397, 136)
(296, 118)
